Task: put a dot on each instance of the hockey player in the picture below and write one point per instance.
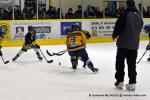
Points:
(76, 44)
(147, 30)
(2, 35)
(29, 43)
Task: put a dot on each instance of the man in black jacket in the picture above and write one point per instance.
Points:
(127, 31)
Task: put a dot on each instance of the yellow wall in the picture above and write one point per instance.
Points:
(11, 43)
(59, 41)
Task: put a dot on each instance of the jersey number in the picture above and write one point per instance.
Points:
(73, 41)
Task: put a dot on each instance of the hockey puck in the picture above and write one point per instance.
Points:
(59, 63)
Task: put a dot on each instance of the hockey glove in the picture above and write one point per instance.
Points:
(0, 47)
(148, 47)
(1, 53)
(33, 43)
(113, 37)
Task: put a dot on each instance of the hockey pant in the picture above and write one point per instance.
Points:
(74, 56)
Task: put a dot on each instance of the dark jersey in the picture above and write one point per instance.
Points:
(29, 38)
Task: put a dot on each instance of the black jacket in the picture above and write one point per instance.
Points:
(128, 28)
(29, 38)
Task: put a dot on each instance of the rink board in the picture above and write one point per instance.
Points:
(52, 32)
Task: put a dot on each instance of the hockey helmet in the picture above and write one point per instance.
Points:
(75, 27)
(30, 28)
(147, 28)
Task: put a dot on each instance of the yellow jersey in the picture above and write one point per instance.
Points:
(76, 40)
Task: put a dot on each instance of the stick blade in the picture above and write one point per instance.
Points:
(49, 53)
(50, 61)
(6, 62)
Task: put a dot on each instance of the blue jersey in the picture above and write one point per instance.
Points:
(2, 33)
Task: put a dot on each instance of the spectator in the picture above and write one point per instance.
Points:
(107, 13)
(142, 9)
(120, 11)
(51, 12)
(148, 12)
(78, 12)
(17, 12)
(98, 13)
(89, 13)
(69, 14)
(2, 14)
(58, 14)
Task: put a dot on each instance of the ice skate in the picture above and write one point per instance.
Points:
(74, 67)
(119, 85)
(130, 87)
(95, 70)
(148, 59)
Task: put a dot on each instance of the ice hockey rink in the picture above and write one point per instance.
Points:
(30, 79)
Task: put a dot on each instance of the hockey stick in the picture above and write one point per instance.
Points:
(50, 61)
(58, 53)
(142, 57)
(5, 62)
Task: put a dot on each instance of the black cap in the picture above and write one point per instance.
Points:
(130, 3)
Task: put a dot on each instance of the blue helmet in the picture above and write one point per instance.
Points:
(75, 27)
(147, 27)
(2, 32)
(30, 28)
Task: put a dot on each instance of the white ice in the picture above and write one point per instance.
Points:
(30, 79)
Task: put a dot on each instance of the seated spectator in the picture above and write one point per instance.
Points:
(2, 14)
(51, 13)
(78, 12)
(148, 12)
(69, 14)
(120, 11)
(107, 13)
(17, 12)
(89, 13)
(98, 13)
(58, 14)
(142, 9)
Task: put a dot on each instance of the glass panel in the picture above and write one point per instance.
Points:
(6, 9)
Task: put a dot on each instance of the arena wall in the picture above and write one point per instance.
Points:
(52, 32)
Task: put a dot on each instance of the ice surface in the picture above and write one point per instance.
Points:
(30, 79)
